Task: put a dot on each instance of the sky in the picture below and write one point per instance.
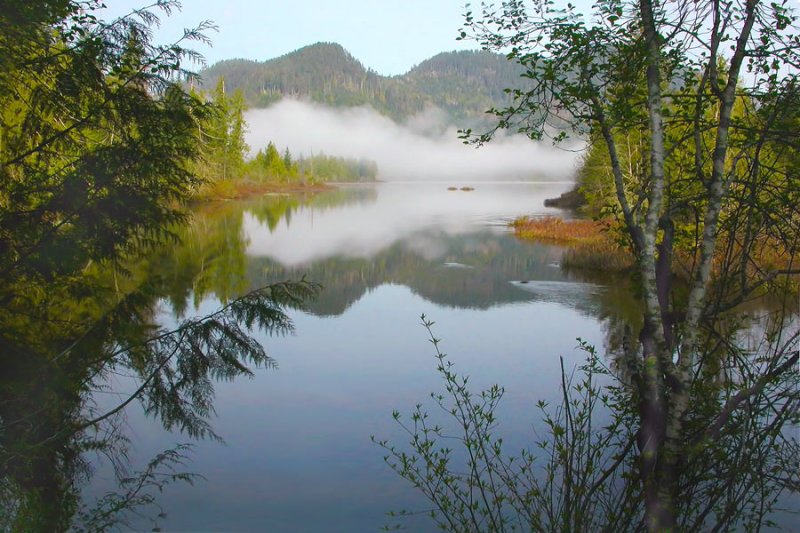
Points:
(388, 36)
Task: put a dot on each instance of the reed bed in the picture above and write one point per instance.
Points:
(557, 230)
(590, 245)
(604, 256)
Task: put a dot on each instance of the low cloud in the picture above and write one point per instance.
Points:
(422, 149)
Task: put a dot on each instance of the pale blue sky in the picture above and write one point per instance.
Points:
(389, 36)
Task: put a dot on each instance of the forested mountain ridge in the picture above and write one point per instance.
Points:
(463, 84)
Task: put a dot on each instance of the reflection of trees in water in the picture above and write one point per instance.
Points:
(210, 260)
(473, 271)
(101, 329)
(271, 209)
(750, 327)
(476, 270)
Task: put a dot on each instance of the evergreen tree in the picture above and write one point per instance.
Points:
(98, 144)
(222, 136)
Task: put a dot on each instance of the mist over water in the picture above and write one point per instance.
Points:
(398, 212)
(423, 148)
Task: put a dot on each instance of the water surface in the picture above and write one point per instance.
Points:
(298, 455)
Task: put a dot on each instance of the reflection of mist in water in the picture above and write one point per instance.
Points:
(470, 270)
(453, 252)
(298, 438)
(398, 212)
(456, 265)
(451, 247)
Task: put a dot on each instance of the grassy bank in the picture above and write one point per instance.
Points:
(590, 245)
(558, 230)
(243, 189)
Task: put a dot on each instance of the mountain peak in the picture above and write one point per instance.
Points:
(463, 84)
(322, 57)
(322, 50)
(325, 45)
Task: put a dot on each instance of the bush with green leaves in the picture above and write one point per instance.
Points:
(583, 474)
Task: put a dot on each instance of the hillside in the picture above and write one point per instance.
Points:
(463, 84)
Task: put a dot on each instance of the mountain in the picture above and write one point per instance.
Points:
(467, 83)
(462, 84)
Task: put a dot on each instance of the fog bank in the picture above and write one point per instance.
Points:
(403, 151)
(417, 214)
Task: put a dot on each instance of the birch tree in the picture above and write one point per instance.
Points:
(709, 86)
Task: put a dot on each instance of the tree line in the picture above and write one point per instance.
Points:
(464, 84)
(222, 162)
(269, 164)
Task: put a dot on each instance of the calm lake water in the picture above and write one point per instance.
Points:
(297, 454)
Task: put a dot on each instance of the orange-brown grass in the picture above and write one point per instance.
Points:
(590, 247)
(554, 229)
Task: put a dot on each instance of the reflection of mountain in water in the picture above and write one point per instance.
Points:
(477, 270)
(490, 265)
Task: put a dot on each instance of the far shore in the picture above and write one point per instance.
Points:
(243, 190)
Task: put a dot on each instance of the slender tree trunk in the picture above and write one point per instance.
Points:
(659, 511)
(665, 386)
(657, 465)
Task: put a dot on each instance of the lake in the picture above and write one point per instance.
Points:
(297, 454)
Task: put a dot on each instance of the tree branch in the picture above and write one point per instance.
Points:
(713, 430)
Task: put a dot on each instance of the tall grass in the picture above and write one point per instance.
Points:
(604, 256)
(591, 247)
(554, 229)
(590, 244)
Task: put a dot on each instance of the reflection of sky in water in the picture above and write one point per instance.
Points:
(399, 211)
(298, 455)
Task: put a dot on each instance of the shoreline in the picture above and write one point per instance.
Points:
(245, 190)
(589, 246)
